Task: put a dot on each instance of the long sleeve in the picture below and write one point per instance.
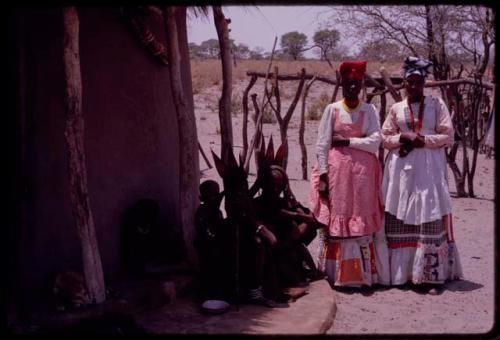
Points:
(324, 139)
(371, 141)
(390, 131)
(444, 128)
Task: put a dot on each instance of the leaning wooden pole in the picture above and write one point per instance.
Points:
(226, 128)
(189, 168)
(283, 124)
(302, 129)
(74, 136)
(256, 140)
(382, 114)
(388, 83)
(337, 85)
(252, 82)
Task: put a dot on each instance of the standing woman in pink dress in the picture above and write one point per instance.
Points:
(415, 186)
(345, 188)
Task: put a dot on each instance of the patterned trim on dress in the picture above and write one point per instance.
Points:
(407, 235)
(408, 118)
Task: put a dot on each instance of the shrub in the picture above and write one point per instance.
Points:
(268, 116)
(236, 104)
(315, 110)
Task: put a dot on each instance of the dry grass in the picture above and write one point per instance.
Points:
(315, 110)
(207, 73)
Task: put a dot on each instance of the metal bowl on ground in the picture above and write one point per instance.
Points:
(215, 306)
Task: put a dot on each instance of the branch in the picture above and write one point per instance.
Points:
(256, 140)
(252, 82)
(292, 106)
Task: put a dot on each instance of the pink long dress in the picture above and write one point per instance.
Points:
(353, 207)
(353, 250)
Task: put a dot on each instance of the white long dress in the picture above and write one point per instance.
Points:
(417, 202)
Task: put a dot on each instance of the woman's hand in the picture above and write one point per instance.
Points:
(418, 142)
(323, 185)
(407, 137)
(338, 141)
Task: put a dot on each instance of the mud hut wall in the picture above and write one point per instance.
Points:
(131, 141)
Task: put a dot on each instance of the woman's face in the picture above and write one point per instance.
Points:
(414, 85)
(351, 88)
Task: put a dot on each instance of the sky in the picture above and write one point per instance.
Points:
(257, 26)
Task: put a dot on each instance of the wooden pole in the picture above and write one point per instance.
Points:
(252, 82)
(286, 120)
(337, 85)
(256, 139)
(302, 128)
(387, 80)
(189, 168)
(396, 81)
(74, 136)
(225, 119)
(383, 105)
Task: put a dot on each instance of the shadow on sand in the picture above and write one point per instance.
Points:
(462, 286)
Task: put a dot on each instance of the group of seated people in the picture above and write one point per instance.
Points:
(272, 265)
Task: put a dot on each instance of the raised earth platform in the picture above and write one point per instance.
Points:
(311, 314)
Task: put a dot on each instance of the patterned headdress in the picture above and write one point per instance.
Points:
(353, 70)
(416, 65)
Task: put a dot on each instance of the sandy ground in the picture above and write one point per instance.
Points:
(466, 306)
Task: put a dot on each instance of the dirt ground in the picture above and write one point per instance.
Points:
(466, 306)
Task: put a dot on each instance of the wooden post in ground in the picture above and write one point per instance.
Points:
(225, 119)
(302, 128)
(189, 168)
(383, 105)
(252, 82)
(74, 136)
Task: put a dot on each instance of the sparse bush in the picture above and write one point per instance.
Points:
(315, 110)
(236, 104)
(268, 116)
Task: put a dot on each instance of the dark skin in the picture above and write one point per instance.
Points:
(276, 187)
(299, 219)
(351, 88)
(414, 86)
(212, 197)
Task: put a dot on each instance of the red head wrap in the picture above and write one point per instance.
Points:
(353, 70)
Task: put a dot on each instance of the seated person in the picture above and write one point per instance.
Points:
(290, 225)
(307, 229)
(211, 242)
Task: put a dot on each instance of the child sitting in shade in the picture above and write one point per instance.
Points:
(211, 242)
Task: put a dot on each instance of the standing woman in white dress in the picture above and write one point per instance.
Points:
(417, 202)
